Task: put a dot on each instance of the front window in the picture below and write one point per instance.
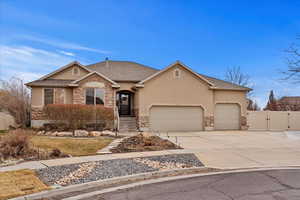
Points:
(94, 96)
(48, 96)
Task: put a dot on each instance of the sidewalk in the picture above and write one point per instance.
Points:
(73, 160)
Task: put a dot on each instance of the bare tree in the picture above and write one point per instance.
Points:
(293, 63)
(253, 106)
(236, 76)
(15, 98)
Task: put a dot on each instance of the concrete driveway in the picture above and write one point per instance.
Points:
(241, 149)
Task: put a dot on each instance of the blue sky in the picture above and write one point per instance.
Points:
(37, 36)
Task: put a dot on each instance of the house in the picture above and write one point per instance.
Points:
(175, 98)
(289, 103)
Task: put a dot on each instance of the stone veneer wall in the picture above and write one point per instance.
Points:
(143, 123)
(209, 123)
(244, 125)
(79, 92)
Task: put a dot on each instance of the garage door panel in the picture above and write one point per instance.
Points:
(227, 116)
(176, 118)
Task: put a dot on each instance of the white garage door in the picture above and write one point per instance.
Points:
(176, 118)
(227, 116)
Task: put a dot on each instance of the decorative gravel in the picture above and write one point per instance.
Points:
(113, 168)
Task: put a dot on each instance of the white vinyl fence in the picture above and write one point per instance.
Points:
(273, 120)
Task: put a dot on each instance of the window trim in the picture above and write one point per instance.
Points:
(44, 95)
(104, 103)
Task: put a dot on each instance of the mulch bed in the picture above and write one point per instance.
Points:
(141, 143)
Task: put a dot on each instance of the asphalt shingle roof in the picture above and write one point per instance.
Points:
(50, 83)
(123, 70)
(129, 71)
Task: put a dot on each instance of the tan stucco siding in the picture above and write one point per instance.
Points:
(227, 96)
(37, 96)
(68, 95)
(126, 86)
(67, 74)
(166, 89)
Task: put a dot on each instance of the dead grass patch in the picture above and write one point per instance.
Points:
(18, 183)
(72, 146)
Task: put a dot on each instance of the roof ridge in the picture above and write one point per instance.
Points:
(142, 65)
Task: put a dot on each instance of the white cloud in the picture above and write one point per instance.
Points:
(66, 53)
(29, 63)
(61, 44)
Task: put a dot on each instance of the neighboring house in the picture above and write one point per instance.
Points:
(172, 99)
(289, 103)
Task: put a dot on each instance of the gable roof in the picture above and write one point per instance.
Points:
(118, 71)
(122, 70)
(50, 83)
(114, 84)
(63, 68)
(224, 85)
(173, 65)
(290, 100)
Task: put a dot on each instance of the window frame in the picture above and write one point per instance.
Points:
(44, 97)
(94, 88)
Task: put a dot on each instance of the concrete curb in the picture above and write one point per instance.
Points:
(141, 178)
(164, 179)
(111, 181)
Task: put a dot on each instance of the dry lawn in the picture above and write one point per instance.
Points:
(72, 146)
(18, 183)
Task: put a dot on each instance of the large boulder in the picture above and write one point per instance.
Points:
(81, 133)
(108, 133)
(64, 134)
(95, 133)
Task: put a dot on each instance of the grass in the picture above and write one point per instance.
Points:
(72, 146)
(3, 131)
(18, 183)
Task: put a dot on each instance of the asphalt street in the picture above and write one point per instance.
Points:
(261, 185)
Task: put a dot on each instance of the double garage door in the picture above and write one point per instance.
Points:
(176, 118)
(190, 118)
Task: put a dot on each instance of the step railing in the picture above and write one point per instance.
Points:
(117, 119)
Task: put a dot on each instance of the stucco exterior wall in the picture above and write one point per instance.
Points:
(126, 86)
(67, 74)
(166, 89)
(37, 96)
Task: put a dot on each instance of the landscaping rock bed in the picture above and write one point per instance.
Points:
(74, 173)
(143, 142)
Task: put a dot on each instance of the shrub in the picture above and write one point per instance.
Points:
(15, 98)
(15, 144)
(77, 116)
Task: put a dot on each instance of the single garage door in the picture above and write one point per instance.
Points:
(227, 116)
(176, 118)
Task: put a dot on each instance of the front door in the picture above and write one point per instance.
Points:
(124, 103)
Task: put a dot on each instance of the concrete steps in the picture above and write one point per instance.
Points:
(127, 124)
